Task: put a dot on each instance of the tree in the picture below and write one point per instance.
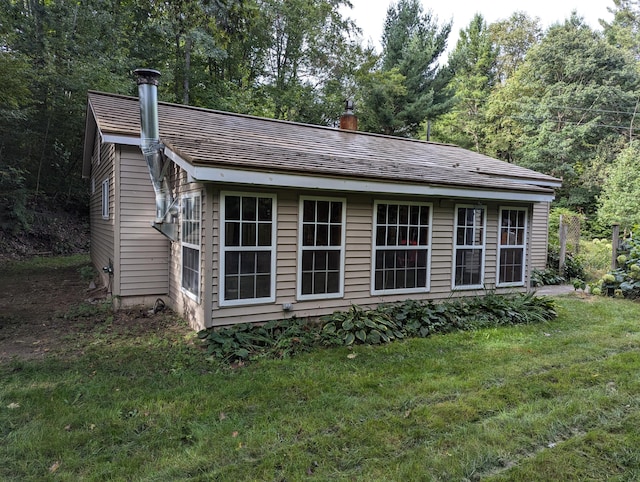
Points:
(513, 38)
(412, 90)
(574, 93)
(624, 30)
(308, 48)
(619, 201)
(472, 64)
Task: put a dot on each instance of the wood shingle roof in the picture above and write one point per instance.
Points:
(213, 139)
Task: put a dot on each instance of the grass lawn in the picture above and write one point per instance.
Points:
(555, 401)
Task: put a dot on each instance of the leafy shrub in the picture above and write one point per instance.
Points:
(573, 268)
(546, 277)
(595, 256)
(387, 322)
(625, 280)
(278, 338)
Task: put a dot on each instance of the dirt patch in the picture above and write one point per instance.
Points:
(53, 311)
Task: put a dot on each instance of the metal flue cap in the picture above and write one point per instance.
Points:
(147, 76)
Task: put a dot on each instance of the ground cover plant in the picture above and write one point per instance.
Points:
(383, 324)
(137, 400)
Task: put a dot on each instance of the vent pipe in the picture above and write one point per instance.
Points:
(151, 146)
(348, 120)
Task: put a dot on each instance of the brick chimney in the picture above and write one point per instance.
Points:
(348, 120)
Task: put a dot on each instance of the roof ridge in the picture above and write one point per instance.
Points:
(281, 121)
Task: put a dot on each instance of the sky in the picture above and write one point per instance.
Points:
(369, 15)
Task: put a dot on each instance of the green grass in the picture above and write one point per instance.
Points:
(553, 401)
(45, 262)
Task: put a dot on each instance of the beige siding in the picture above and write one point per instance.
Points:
(143, 251)
(539, 235)
(358, 264)
(102, 230)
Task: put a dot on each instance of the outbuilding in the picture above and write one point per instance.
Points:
(232, 218)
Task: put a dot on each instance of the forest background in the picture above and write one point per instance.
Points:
(563, 101)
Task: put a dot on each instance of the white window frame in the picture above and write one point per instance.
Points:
(375, 248)
(522, 246)
(457, 246)
(105, 199)
(184, 244)
(340, 248)
(271, 249)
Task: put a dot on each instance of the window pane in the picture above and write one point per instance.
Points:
(247, 263)
(263, 262)
(336, 235)
(379, 259)
(308, 235)
(197, 208)
(263, 286)
(413, 236)
(403, 214)
(382, 214)
(249, 208)
(424, 215)
(264, 234)
(415, 215)
(336, 212)
(320, 260)
(320, 282)
(232, 207)
(307, 284)
(333, 260)
(393, 214)
(333, 282)
(307, 260)
(232, 234)
(232, 262)
(424, 236)
(248, 234)
(265, 209)
(421, 260)
(247, 287)
(309, 211)
(402, 236)
(231, 288)
(322, 235)
(323, 211)
(381, 235)
(391, 236)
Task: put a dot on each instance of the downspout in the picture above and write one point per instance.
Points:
(152, 148)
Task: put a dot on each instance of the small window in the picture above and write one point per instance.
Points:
(190, 236)
(512, 240)
(401, 247)
(469, 247)
(105, 199)
(321, 248)
(248, 248)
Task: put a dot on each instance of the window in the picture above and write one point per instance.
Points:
(105, 199)
(190, 235)
(321, 248)
(469, 240)
(248, 254)
(402, 241)
(511, 246)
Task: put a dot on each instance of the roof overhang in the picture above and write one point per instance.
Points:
(275, 179)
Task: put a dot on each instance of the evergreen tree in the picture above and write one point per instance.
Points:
(405, 88)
